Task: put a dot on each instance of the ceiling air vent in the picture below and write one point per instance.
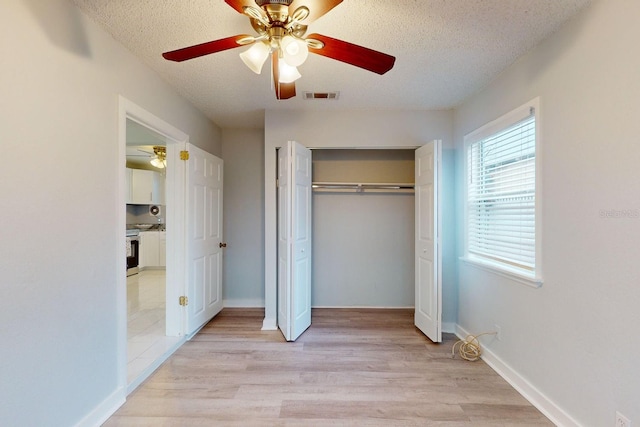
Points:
(321, 95)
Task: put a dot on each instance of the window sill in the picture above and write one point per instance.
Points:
(533, 282)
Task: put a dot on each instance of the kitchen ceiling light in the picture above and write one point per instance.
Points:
(160, 160)
(157, 163)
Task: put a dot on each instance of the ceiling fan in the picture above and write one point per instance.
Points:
(281, 26)
(158, 157)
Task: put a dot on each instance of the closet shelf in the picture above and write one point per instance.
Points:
(377, 187)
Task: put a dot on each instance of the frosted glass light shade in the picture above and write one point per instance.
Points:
(287, 73)
(255, 56)
(157, 163)
(294, 50)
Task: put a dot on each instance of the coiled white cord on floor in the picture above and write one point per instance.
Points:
(469, 348)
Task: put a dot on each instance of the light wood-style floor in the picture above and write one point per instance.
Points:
(353, 367)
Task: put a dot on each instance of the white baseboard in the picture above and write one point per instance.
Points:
(243, 303)
(372, 307)
(538, 399)
(449, 327)
(269, 324)
(104, 410)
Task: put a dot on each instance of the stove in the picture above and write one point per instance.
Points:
(133, 251)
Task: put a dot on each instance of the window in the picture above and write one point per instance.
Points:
(501, 194)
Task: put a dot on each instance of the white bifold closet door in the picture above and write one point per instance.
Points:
(294, 240)
(428, 299)
(204, 238)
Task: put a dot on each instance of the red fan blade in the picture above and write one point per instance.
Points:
(239, 4)
(317, 8)
(283, 90)
(359, 56)
(191, 52)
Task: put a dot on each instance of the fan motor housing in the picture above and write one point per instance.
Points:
(263, 2)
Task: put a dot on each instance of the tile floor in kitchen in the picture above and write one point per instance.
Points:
(146, 340)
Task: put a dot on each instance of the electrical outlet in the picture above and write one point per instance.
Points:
(622, 421)
(498, 332)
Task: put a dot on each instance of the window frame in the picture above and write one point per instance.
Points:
(531, 278)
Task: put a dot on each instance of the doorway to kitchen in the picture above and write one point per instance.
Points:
(150, 330)
(145, 177)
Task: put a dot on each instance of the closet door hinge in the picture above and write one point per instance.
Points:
(183, 301)
(184, 155)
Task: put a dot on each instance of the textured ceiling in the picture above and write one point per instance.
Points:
(445, 51)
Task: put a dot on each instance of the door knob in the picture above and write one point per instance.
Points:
(223, 245)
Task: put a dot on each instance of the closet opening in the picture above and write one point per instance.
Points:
(363, 228)
(351, 232)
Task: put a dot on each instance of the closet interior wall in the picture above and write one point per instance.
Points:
(363, 242)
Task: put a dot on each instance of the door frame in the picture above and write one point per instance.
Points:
(270, 217)
(175, 214)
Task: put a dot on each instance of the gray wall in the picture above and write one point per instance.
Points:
(363, 243)
(243, 155)
(60, 82)
(573, 339)
(363, 246)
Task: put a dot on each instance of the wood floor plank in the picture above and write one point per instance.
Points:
(361, 367)
(377, 410)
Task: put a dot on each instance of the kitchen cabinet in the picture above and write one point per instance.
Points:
(144, 187)
(149, 249)
(128, 189)
(153, 247)
(157, 189)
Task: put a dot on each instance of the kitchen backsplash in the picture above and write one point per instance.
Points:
(139, 214)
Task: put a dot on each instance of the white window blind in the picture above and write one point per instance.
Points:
(501, 196)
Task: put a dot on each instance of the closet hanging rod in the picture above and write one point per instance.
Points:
(362, 186)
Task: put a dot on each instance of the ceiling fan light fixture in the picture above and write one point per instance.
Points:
(246, 40)
(294, 50)
(287, 73)
(281, 26)
(300, 14)
(255, 56)
(256, 14)
(160, 160)
(314, 44)
(158, 163)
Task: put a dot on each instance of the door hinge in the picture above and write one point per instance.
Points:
(183, 301)
(184, 155)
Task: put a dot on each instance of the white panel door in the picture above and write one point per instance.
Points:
(204, 237)
(428, 298)
(284, 246)
(294, 240)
